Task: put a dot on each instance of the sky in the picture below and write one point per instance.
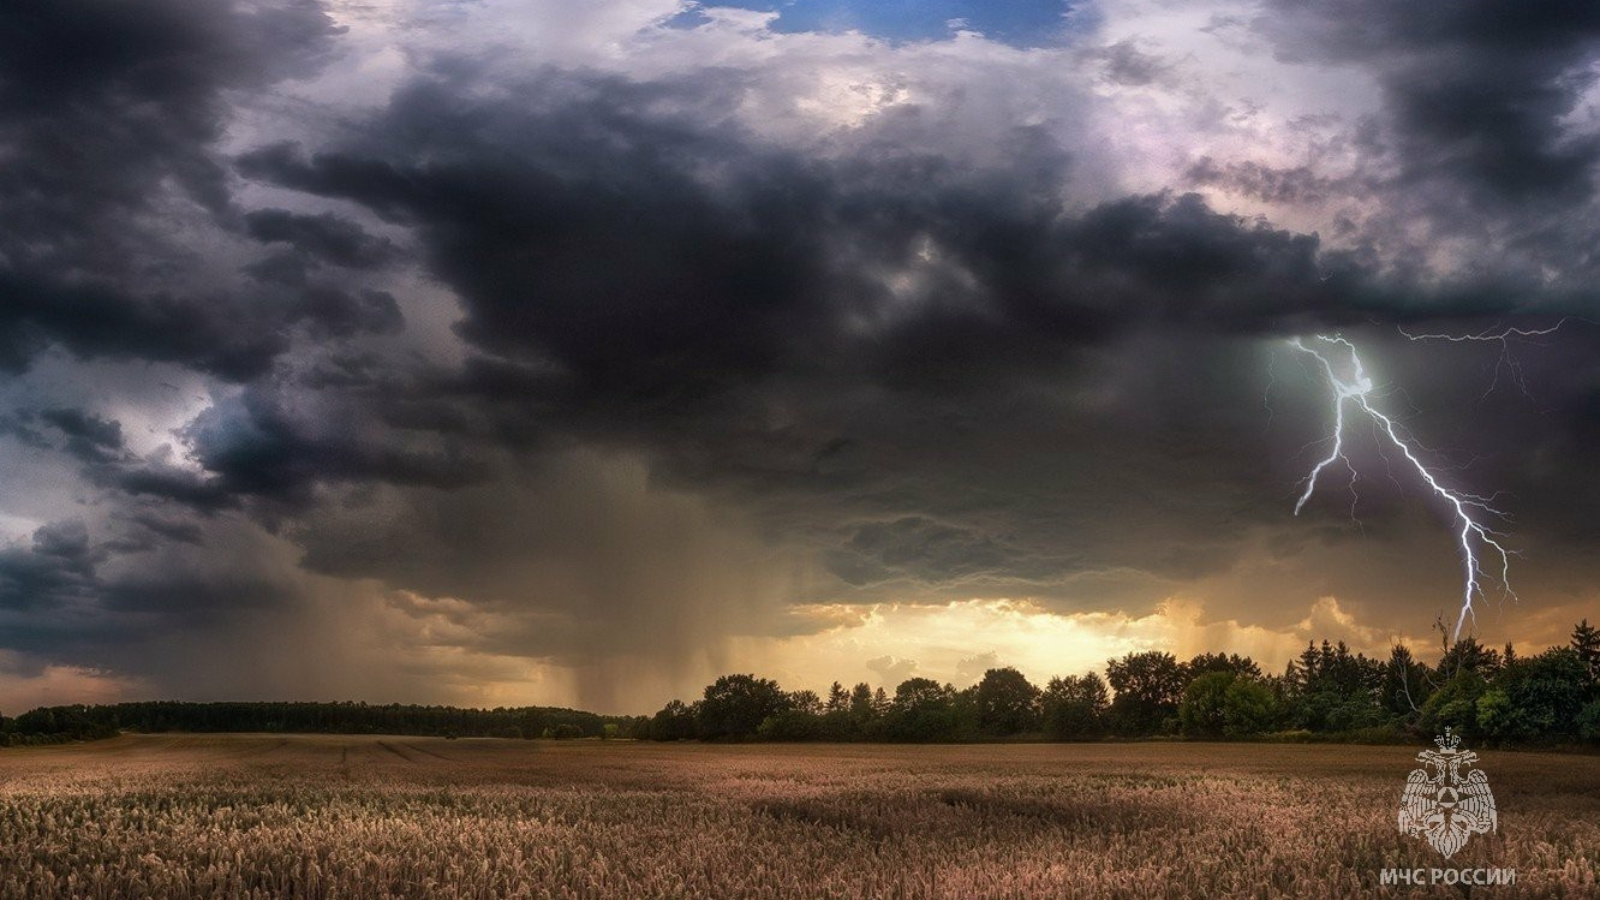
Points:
(503, 352)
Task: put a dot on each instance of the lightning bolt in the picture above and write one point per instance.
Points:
(1506, 362)
(1353, 397)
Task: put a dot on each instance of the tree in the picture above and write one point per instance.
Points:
(916, 694)
(1535, 699)
(1007, 702)
(1586, 643)
(806, 702)
(734, 706)
(1404, 687)
(1467, 655)
(861, 703)
(791, 725)
(838, 698)
(675, 722)
(1200, 713)
(1336, 690)
(1218, 662)
(1454, 705)
(922, 710)
(1149, 686)
(1075, 707)
(1249, 707)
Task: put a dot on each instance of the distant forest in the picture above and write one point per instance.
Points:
(57, 724)
(1492, 697)
(1327, 693)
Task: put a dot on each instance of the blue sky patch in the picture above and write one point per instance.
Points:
(1022, 23)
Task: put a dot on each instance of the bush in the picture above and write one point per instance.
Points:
(1291, 736)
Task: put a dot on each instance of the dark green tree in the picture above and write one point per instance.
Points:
(1586, 643)
(734, 706)
(838, 698)
(806, 702)
(922, 693)
(1405, 685)
(1249, 707)
(1007, 702)
(922, 710)
(1075, 707)
(675, 722)
(1221, 662)
(861, 702)
(1454, 705)
(1200, 712)
(1535, 700)
(1468, 655)
(1148, 687)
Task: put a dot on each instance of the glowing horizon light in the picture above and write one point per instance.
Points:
(1473, 535)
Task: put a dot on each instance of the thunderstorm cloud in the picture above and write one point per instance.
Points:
(505, 352)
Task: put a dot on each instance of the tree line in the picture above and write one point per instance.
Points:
(1490, 696)
(55, 724)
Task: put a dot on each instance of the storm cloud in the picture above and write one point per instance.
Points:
(494, 366)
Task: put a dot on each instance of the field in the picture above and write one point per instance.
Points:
(369, 817)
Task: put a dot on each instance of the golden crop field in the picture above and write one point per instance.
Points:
(376, 817)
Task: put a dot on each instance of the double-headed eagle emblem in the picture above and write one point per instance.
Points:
(1445, 803)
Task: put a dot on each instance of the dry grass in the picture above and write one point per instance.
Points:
(357, 817)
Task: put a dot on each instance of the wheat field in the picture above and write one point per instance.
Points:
(256, 816)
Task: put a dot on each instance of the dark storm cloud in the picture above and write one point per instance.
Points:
(257, 446)
(103, 106)
(100, 319)
(855, 348)
(687, 351)
(94, 432)
(339, 313)
(231, 618)
(324, 237)
(89, 437)
(169, 527)
(721, 264)
(1477, 90)
(101, 100)
(664, 286)
(57, 569)
(915, 548)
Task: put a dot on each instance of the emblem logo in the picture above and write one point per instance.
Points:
(1443, 801)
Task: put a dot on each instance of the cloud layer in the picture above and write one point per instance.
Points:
(434, 352)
